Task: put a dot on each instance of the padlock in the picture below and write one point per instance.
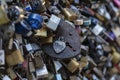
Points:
(42, 72)
(53, 23)
(11, 73)
(78, 22)
(41, 33)
(54, 10)
(86, 22)
(74, 78)
(99, 29)
(31, 64)
(38, 61)
(116, 11)
(9, 30)
(69, 13)
(15, 13)
(33, 47)
(3, 16)
(15, 57)
(75, 9)
(2, 53)
(116, 32)
(57, 65)
(101, 18)
(98, 72)
(115, 56)
(72, 66)
(103, 12)
(23, 28)
(38, 6)
(87, 12)
(35, 21)
(46, 40)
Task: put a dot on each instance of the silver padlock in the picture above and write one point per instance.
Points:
(42, 72)
(53, 23)
(2, 53)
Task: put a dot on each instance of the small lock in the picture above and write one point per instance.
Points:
(86, 22)
(116, 56)
(69, 13)
(38, 61)
(6, 77)
(15, 57)
(42, 72)
(35, 21)
(3, 16)
(31, 64)
(32, 47)
(2, 53)
(15, 13)
(53, 23)
(116, 32)
(72, 66)
(38, 6)
(101, 18)
(78, 22)
(23, 28)
(11, 73)
(54, 10)
(42, 32)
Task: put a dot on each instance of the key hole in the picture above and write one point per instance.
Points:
(67, 44)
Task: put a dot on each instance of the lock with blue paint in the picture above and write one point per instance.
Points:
(35, 21)
(23, 28)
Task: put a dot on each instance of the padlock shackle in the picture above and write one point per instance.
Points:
(15, 42)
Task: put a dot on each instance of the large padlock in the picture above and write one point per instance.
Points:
(3, 16)
(15, 57)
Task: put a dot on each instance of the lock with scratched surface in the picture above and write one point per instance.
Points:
(72, 46)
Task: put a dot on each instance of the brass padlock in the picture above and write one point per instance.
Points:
(41, 33)
(38, 61)
(15, 57)
(3, 16)
(72, 66)
(69, 13)
(115, 56)
(11, 73)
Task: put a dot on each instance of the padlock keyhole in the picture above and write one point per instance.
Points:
(67, 44)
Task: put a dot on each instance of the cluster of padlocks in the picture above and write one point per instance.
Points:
(59, 39)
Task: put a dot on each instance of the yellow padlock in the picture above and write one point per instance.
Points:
(3, 16)
(115, 56)
(15, 57)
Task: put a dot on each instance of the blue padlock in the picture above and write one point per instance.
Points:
(23, 28)
(35, 21)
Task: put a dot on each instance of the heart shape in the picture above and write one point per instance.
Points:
(59, 46)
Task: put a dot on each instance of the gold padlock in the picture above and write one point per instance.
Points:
(11, 73)
(115, 56)
(100, 17)
(15, 57)
(3, 16)
(42, 32)
(73, 66)
(70, 14)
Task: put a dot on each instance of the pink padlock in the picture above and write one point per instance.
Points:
(117, 3)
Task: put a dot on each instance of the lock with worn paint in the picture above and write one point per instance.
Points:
(38, 61)
(15, 57)
(31, 65)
